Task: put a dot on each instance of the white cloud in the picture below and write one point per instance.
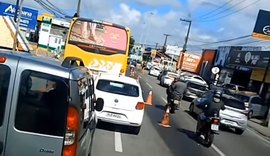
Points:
(174, 3)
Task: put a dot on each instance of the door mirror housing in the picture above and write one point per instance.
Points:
(99, 104)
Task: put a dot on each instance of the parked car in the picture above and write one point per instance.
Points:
(232, 88)
(192, 77)
(195, 89)
(45, 107)
(168, 78)
(154, 71)
(233, 116)
(123, 101)
(255, 106)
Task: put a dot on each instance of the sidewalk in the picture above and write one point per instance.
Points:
(256, 125)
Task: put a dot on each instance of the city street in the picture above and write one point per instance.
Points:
(177, 140)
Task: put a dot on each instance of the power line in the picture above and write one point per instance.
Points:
(222, 11)
(228, 40)
(218, 18)
(220, 7)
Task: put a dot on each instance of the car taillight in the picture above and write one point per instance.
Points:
(140, 106)
(3, 59)
(70, 143)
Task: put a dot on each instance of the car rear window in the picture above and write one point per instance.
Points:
(4, 83)
(197, 86)
(234, 103)
(42, 103)
(172, 75)
(117, 87)
(243, 98)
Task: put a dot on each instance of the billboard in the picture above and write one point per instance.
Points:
(262, 26)
(191, 62)
(173, 50)
(224, 51)
(28, 16)
(255, 59)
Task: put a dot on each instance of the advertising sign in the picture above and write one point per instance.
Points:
(28, 16)
(262, 26)
(256, 59)
(224, 51)
(191, 62)
(173, 50)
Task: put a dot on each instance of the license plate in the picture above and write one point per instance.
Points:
(112, 115)
(214, 127)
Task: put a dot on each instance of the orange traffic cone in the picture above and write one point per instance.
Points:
(149, 99)
(166, 119)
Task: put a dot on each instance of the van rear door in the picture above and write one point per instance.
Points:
(7, 74)
(38, 112)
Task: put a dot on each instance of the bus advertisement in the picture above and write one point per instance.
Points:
(102, 46)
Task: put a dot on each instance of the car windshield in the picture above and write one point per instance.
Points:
(117, 87)
(197, 86)
(234, 103)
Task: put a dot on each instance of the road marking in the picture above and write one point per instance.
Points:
(148, 85)
(259, 136)
(164, 99)
(118, 142)
(218, 150)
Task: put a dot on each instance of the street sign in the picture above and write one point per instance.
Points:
(28, 16)
(262, 26)
(215, 70)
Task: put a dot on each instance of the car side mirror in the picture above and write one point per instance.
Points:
(99, 104)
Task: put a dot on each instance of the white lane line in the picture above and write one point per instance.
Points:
(257, 135)
(118, 142)
(164, 99)
(218, 150)
(148, 85)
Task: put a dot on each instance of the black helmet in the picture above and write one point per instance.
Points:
(217, 93)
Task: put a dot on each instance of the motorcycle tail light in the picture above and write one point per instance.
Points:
(216, 121)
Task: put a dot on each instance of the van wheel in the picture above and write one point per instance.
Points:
(250, 114)
(239, 131)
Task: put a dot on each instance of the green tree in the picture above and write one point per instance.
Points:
(131, 44)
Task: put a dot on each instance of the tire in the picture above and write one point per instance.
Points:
(136, 130)
(209, 139)
(249, 115)
(239, 131)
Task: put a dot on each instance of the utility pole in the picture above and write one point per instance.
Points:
(15, 40)
(16, 10)
(181, 56)
(156, 45)
(78, 8)
(165, 42)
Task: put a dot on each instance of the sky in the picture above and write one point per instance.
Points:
(149, 20)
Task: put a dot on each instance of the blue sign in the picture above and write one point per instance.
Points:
(28, 16)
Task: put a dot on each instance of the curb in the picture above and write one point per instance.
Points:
(259, 132)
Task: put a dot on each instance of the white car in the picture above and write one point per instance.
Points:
(166, 80)
(154, 71)
(123, 101)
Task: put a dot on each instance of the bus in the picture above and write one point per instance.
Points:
(102, 46)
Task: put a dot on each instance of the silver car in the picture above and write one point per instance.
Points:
(233, 116)
(45, 107)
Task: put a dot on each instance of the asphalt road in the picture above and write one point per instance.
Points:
(178, 140)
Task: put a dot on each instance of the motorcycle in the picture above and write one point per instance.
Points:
(209, 127)
(174, 103)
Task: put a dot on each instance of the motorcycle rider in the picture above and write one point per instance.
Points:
(209, 107)
(176, 91)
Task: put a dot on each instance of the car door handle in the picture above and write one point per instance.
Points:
(1, 148)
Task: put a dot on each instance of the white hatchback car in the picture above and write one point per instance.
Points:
(154, 71)
(123, 101)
